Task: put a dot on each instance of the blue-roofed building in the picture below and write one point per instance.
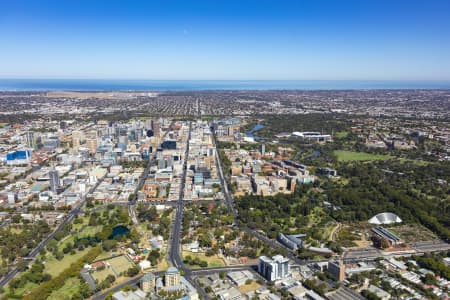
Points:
(22, 154)
(18, 157)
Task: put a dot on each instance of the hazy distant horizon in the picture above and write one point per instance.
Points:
(197, 85)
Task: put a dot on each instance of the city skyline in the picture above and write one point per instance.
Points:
(202, 40)
(252, 149)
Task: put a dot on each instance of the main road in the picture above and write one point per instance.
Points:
(151, 162)
(175, 238)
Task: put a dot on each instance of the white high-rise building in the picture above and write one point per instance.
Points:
(54, 180)
(30, 139)
(273, 268)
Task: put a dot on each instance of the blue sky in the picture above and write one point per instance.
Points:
(171, 39)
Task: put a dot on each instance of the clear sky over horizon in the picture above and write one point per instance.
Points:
(243, 40)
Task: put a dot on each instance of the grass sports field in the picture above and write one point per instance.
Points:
(344, 156)
(117, 265)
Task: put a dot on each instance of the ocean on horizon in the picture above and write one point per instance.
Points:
(197, 85)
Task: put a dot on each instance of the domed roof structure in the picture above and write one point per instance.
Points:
(385, 218)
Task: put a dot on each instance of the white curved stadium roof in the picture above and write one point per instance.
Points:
(385, 218)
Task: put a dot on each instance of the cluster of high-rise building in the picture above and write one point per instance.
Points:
(202, 180)
(61, 165)
(164, 180)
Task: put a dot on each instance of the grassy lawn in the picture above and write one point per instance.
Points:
(90, 230)
(54, 266)
(341, 180)
(71, 286)
(77, 226)
(16, 230)
(213, 261)
(341, 134)
(104, 255)
(249, 287)
(162, 265)
(346, 237)
(23, 290)
(84, 231)
(102, 274)
(345, 156)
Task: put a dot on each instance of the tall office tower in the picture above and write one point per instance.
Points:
(63, 125)
(156, 127)
(122, 142)
(232, 129)
(54, 180)
(121, 130)
(273, 268)
(110, 130)
(132, 135)
(159, 153)
(169, 162)
(92, 145)
(139, 134)
(161, 164)
(337, 269)
(172, 277)
(208, 162)
(51, 142)
(211, 151)
(262, 149)
(31, 142)
(148, 124)
(77, 137)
